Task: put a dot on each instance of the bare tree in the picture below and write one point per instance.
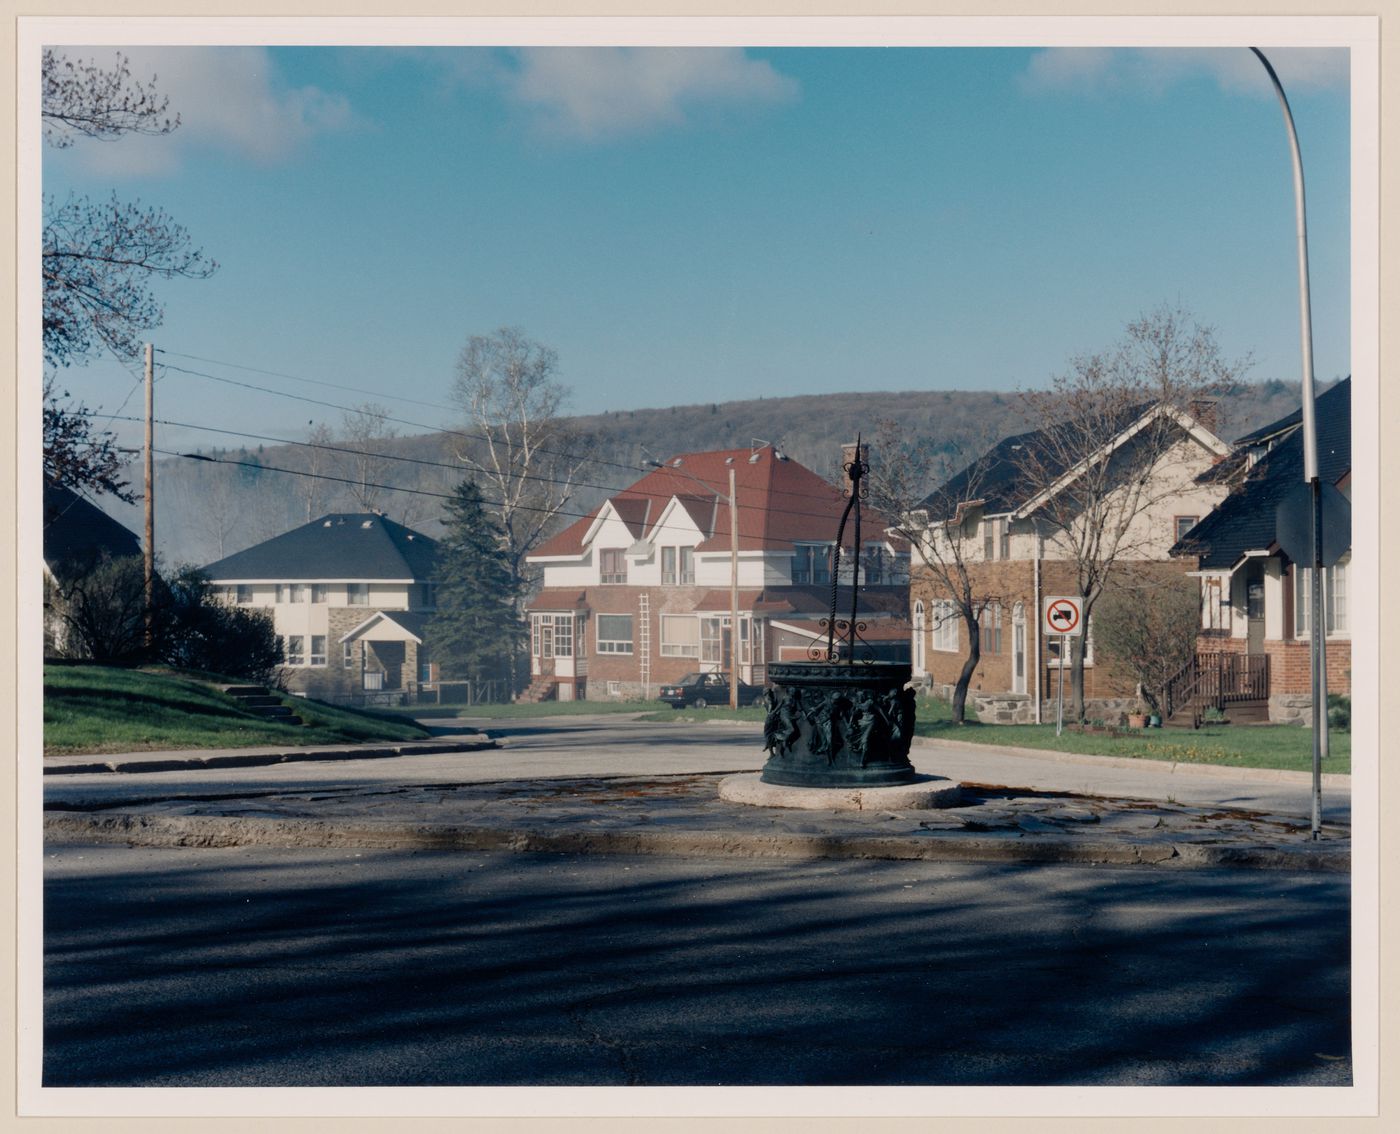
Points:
(81, 98)
(317, 457)
(367, 431)
(524, 456)
(940, 525)
(1105, 448)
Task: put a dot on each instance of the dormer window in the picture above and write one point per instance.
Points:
(612, 564)
(811, 563)
(677, 566)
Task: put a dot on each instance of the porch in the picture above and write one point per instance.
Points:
(1236, 685)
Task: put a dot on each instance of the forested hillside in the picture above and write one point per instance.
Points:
(209, 509)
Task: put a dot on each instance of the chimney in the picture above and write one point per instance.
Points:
(1205, 410)
(848, 456)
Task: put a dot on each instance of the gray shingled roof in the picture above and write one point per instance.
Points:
(997, 477)
(1244, 521)
(78, 533)
(349, 547)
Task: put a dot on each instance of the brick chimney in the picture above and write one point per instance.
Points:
(1205, 410)
(848, 455)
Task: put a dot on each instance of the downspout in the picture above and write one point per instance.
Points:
(1039, 550)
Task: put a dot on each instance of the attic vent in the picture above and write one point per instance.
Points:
(367, 524)
(326, 524)
(676, 463)
(753, 457)
(410, 535)
(728, 460)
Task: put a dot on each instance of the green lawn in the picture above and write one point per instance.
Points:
(1285, 747)
(543, 709)
(101, 709)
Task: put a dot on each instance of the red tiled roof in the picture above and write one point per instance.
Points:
(557, 598)
(780, 502)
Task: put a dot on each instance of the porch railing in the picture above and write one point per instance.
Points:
(1212, 681)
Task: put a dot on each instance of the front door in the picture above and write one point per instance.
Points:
(1254, 606)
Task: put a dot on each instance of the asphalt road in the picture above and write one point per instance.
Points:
(561, 747)
(292, 967)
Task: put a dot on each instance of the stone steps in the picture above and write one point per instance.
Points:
(258, 700)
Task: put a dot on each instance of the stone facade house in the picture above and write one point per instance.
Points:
(994, 519)
(349, 595)
(638, 593)
(1254, 598)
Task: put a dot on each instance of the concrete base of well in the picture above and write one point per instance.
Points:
(924, 794)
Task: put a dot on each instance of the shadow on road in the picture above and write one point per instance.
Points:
(337, 968)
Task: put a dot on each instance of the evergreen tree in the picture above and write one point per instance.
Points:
(472, 633)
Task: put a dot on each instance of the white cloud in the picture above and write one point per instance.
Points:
(228, 98)
(595, 93)
(1088, 70)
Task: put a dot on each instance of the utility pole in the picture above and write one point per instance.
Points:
(150, 498)
(734, 650)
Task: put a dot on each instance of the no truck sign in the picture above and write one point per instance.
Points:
(1064, 615)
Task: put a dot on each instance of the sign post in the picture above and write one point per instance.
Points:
(1063, 615)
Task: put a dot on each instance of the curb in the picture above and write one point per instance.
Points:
(218, 831)
(1165, 767)
(261, 759)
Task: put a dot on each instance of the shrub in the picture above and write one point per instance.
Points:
(1339, 712)
(202, 634)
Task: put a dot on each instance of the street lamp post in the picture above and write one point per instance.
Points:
(1318, 628)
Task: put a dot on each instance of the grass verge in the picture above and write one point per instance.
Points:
(504, 712)
(1282, 747)
(94, 709)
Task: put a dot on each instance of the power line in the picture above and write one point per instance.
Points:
(581, 458)
(299, 378)
(425, 462)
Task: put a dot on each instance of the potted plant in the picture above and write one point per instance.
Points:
(1137, 715)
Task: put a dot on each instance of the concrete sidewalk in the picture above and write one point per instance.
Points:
(523, 790)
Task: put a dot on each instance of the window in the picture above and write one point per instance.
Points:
(677, 566)
(919, 637)
(990, 625)
(1183, 525)
(428, 595)
(318, 649)
(1334, 600)
(318, 592)
(347, 654)
(872, 564)
(243, 594)
(1006, 538)
(357, 594)
(294, 649)
(612, 564)
(945, 625)
(284, 592)
(563, 635)
(811, 563)
(614, 634)
(680, 636)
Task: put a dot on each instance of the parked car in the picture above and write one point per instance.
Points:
(701, 689)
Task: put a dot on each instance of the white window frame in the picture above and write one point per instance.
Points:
(1335, 592)
(668, 566)
(243, 594)
(945, 626)
(294, 656)
(806, 559)
(613, 645)
(671, 647)
(315, 658)
(357, 594)
(615, 556)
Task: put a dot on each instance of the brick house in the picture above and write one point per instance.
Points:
(1254, 598)
(1016, 557)
(637, 593)
(349, 595)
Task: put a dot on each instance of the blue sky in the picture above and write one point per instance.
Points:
(695, 225)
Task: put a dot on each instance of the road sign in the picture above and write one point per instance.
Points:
(1064, 615)
(1293, 525)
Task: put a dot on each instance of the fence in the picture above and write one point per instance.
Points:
(492, 692)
